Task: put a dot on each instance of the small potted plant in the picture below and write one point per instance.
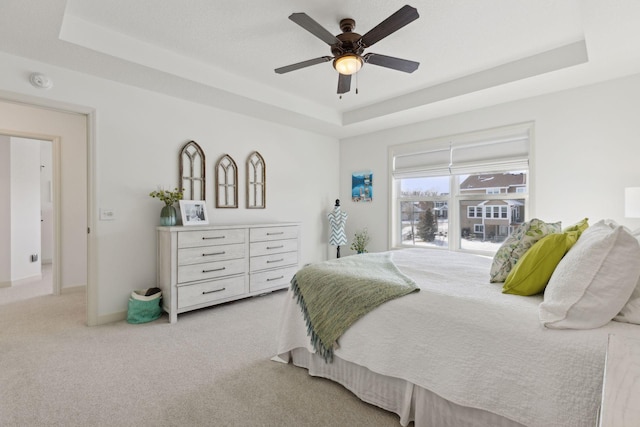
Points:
(361, 241)
(168, 213)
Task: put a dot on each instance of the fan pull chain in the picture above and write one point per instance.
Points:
(357, 83)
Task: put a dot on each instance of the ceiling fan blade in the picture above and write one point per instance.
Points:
(393, 23)
(303, 64)
(344, 83)
(391, 62)
(306, 22)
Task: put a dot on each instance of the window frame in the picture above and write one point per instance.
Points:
(475, 211)
(454, 198)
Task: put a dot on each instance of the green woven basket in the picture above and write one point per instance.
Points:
(144, 308)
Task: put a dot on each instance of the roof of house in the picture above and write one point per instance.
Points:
(496, 180)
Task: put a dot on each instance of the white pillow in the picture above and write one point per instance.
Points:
(630, 313)
(593, 281)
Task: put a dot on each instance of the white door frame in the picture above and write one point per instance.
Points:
(92, 317)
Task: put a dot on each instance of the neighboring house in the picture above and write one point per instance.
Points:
(492, 219)
(415, 209)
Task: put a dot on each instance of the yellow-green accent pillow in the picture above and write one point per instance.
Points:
(519, 242)
(534, 269)
(579, 226)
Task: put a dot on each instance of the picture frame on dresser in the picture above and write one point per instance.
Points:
(194, 212)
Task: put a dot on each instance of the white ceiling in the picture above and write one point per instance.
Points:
(472, 53)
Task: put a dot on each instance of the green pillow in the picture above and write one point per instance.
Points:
(515, 246)
(534, 269)
(580, 226)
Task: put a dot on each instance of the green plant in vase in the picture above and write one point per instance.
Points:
(360, 241)
(168, 213)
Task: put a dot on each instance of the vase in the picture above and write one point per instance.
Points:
(168, 215)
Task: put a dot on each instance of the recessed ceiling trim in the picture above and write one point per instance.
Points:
(552, 60)
(104, 40)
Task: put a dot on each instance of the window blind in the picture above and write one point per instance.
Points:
(496, 150)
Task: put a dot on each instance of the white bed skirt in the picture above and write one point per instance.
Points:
(410, 402)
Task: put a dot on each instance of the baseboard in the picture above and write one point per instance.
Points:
(73, 289)
(111, 318)
(30, 279)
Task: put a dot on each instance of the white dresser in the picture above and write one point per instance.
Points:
(200, 266)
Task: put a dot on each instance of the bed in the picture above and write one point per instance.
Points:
(460, 352)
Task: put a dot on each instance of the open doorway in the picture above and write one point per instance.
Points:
(27, 201)
(68, 137)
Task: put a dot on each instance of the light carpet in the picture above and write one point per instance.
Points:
(212, 368)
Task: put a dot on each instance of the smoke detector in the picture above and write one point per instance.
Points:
(40, 81)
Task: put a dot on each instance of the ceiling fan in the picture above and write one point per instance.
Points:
(347, 48)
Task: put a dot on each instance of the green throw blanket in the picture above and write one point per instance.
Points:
(334, 294)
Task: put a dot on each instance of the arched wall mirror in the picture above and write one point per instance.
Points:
(192, 171)
(256, 185)
(226, 183)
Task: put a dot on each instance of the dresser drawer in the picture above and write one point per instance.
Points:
(210, 270)
(272, 279)
(273, 247)
(190, 239)
(202, 254)
(206, 292)
(273, 261)
(272, 233)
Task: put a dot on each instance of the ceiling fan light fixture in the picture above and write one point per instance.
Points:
(348, 64)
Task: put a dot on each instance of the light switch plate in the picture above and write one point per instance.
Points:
(107, 214)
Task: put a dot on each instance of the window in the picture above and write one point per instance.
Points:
(465, 192)
(424, 211)
(495, 211)
(474, 212)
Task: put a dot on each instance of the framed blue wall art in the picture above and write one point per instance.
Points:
(362, 186)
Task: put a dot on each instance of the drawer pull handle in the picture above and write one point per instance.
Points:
(275, 278)
(210, 292)
(215, 269)
(213, 238)
(214, 253)
(275, 247)
(275, 260)
(275, 234)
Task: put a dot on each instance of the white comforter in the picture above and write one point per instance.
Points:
(461, 338)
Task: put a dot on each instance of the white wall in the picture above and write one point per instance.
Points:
(5, 211)
(138, 135)
(586, 150)
(25, 208)
(19, 209)
(46, 201)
